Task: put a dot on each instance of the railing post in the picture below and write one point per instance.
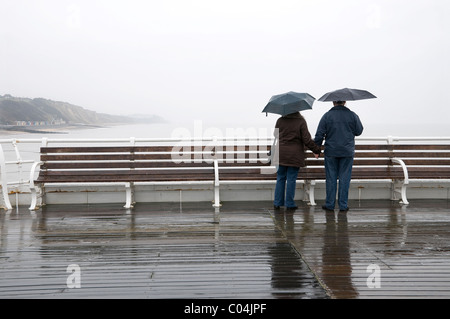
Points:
(216, 175)
(390, 139)
(4, 183)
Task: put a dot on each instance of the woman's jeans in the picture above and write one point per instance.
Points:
(285, 187)
(338, 168)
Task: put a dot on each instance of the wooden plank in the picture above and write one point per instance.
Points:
(87, 176)
(124, 157)
(373, 155)
(244, 173)
(159, 156)
(424, 147)
(356, 162)
(106, 149)
(365, 147)
(159, 171)
(411, 154)
(357, 173)
(147, 149)
(124, 178)
(427, 162)
(132, 165)
(87, 149)
(429, 172)
(87, 157)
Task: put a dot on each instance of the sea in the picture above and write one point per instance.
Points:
(17, 144)
(207, 129)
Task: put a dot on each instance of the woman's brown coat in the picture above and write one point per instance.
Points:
(293, 136)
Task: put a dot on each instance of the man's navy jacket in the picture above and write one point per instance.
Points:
(338, 127)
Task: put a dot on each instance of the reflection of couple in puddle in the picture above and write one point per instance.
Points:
(336, 269)
(291, 277)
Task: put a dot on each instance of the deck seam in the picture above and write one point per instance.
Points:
(327, 290)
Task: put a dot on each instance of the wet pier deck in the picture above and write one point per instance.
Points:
(247, 250)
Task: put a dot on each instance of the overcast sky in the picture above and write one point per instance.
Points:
(216, 60)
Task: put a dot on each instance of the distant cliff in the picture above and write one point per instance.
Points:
(16, 110)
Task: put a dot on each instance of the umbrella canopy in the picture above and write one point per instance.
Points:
(289, 102)
(347, 95)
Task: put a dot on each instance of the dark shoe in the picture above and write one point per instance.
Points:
(344, 210)
(292, 208)
(326, 208)
(276, 207)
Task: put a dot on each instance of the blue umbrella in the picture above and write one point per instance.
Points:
(289, 102)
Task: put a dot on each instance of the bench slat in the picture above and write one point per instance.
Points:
(421, 154)
(429, 147)
(429, 172)
(137, 164)
(125, 172)
(101, 165)
(157, 149)
(423, 147)
(124, 175)
(143, 157)
(427, 162)
(365, 162)
(125, 178)
(105, 149)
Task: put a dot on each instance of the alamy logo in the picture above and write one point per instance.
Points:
(74, 279)
(235, 145)
(374, 279)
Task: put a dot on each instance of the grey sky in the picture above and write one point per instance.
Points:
(223, 60)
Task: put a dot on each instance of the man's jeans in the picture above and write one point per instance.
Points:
(286, 181)
(338, 168)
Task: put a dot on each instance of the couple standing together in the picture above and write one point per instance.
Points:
(338, 127)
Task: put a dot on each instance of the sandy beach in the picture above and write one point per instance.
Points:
(44, 129)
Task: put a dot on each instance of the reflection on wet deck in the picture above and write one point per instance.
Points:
(155, 251)
(244, 251)
(376, 250)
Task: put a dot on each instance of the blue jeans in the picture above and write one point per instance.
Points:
(338, 168)
(286, 181)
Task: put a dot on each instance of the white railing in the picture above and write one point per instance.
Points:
(15, 173)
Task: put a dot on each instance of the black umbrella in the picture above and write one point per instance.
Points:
(288, 103)
(347, 95)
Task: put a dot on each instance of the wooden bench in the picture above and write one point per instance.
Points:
(127, 165)
(400, 163)
(217, 165)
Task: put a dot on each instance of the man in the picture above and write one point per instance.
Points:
(338, 127)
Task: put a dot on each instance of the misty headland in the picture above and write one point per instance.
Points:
(40, 115)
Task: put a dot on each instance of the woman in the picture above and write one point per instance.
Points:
(293, 135)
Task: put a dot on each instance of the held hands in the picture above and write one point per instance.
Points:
(316, 156)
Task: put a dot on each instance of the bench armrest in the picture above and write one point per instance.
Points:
(34, 199)
(405, 169)
(33, 171)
